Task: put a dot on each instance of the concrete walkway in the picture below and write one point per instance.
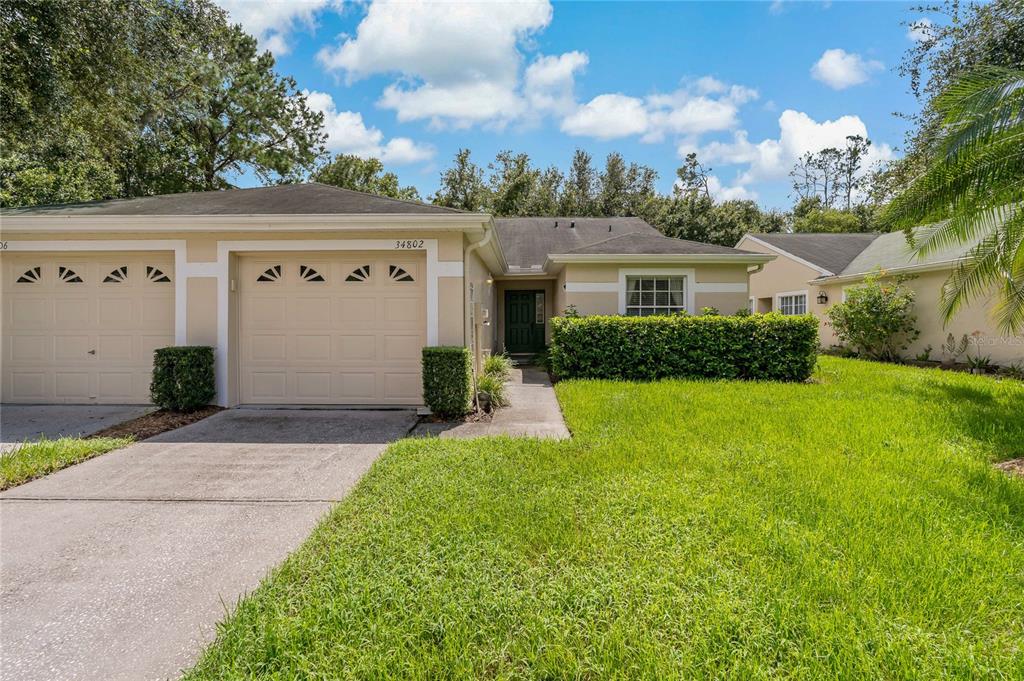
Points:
(533, 411)
(121, 567)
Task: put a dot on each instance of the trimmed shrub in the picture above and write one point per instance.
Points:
(761, 347)
(876, 320)
(183, 378)
(448, 380)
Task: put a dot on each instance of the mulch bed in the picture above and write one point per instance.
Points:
(155, 423)
(1012, 467)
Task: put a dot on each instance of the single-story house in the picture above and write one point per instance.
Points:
(313, 294)
(813, 271)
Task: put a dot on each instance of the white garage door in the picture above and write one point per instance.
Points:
(332, 328)
(82, 329)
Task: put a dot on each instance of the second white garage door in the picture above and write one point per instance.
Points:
(331, 329)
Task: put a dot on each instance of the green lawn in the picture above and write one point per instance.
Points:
(853, 527)
(36, 459)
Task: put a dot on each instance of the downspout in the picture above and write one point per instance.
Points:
(488, 234)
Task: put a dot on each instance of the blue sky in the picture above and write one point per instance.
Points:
(749, 86)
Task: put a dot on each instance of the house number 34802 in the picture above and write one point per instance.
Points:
(409, 243)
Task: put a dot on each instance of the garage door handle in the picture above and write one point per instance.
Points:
(92, 352)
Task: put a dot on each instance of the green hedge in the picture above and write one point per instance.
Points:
(448, 380)
(183, 378)
(766, 347)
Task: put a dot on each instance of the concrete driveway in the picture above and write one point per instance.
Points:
(120, 567)
(20, 422)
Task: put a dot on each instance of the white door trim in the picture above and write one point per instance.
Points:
(435, 269)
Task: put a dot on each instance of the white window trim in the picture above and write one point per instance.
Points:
(804, 293)
(688, 287)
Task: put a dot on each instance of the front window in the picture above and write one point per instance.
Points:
(650, 295)
(793, 304)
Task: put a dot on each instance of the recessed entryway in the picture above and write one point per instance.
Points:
(524, 321)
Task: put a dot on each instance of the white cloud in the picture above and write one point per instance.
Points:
(772, 159)
(706, 105)
(723, 193)
(608, 117)
(840, 69)
(550, 82)
(272, 23)
(919, 30)
(441, 52)
(347, 133)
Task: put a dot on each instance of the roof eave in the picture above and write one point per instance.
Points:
(673, 258)
(247, 222)
(887, 271)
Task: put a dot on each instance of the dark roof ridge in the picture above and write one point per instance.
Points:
(380, 196)
(612, 238)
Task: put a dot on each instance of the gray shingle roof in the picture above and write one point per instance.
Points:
(832, 252)
(287, 199)
(527, 242)
(642, 244)
(891, 250)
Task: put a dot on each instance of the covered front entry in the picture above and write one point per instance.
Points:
(81, 329)
(331, 328)
(524, 321)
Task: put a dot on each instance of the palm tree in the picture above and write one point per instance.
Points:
(972, 193)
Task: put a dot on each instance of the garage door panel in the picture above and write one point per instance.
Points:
(402, 348)
(268, 347)
(269, 385)
(353, 338)
(356, 348)
(119, 311)
(72, 348)
(313, 386)
(53, 322)
(357, 386)
(401, 386)
(117, 384)
(403, 311)
(73, 385)
(358, 311)
(35, 312)
(28, 386)
(311, 312)
(116, 348)
(30, 349)
(78, 310)
(313, 348)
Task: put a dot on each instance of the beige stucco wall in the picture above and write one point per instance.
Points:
(785, 275)
(974, 320)
(501, 286)
(607, 302)
(202, 311)
(479, 318)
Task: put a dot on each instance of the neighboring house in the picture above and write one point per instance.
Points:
(313, 294)
(812, 272)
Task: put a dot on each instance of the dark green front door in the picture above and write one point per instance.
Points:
(524, 321)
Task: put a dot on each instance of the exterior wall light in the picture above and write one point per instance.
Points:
(822, 297)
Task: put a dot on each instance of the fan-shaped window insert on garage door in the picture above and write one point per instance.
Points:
(328, 331)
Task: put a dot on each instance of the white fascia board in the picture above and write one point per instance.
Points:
(887, 271)
(783, 252)
(243, 223)
(664, 258)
